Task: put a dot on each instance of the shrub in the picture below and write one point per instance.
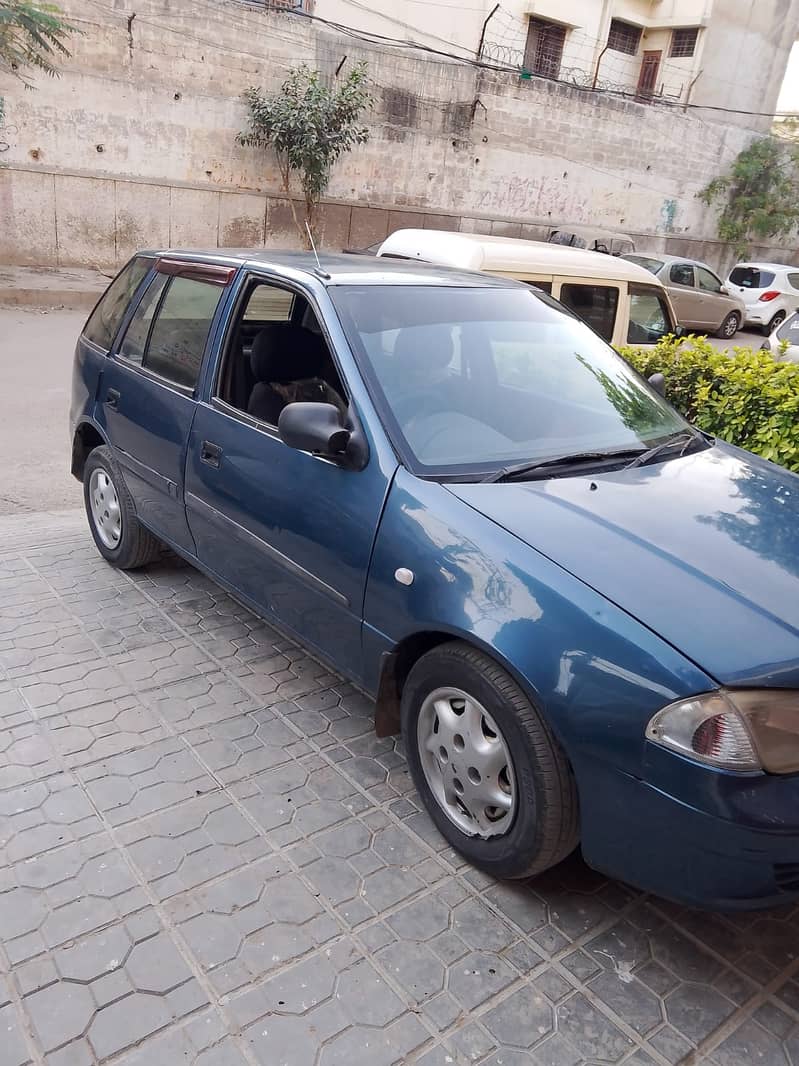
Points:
(742, 396)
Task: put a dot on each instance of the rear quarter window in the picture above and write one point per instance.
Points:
(751, 277)
(793, 280)
(104, 320)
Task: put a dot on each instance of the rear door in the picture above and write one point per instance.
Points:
(595, 302)
(146, 402)
(680, 280)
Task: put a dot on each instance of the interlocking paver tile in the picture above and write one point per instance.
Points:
(64, 893)
(269, 852)
(188, 845)
(42, 815)
(251, 923)
(112, 989)
(139, 783)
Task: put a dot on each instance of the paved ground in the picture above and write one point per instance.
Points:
(209, 860)
(36, 349)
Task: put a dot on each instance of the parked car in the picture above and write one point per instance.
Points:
(582, 613)
(593, 239)
(770, 292)
(620, 300)
(784, 341)
(699, 297)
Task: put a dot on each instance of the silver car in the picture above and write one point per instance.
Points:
(700, 298)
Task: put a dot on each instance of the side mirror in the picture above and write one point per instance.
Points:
(658, 383)
(314, 427)
(724, 290)
(679, 331)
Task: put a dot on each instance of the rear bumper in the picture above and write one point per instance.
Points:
(640, 834)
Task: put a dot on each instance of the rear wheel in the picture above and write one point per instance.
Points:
(491, 774)
(730, 326)
(776, 321)
(117, 532)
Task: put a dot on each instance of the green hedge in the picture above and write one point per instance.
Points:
(742, 396)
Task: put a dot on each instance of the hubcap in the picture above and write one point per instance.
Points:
(466, 763)
(732, 327)
(106, 513)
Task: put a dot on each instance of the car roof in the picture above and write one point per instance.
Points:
(765, 266)
(336, 269)
(663, 258)
(469, 251)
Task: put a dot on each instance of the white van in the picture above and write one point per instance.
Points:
(621, 301)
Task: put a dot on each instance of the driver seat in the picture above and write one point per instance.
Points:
(288, 364)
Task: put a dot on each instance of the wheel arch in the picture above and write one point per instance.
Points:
(85, 439)
(395, 665)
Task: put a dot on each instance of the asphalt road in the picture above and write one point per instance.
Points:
(35, 367)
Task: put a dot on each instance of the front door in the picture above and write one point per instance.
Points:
(292, 533)
(648, 78)
(146, 399)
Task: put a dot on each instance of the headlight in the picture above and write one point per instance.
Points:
(744, 729)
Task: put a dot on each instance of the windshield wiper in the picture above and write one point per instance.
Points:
(569, 459)
(685, 439)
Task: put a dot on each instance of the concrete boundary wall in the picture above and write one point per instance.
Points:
(135, 145)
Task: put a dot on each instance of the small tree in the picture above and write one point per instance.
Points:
(759, 197)
(308, 124)
(32, 37)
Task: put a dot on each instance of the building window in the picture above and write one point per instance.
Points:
(623, 37)
(544, 49)
(683, 43)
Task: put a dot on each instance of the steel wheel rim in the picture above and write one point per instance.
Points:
(466, 763)
(105, 509)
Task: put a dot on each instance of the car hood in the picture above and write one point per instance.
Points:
(704, 550)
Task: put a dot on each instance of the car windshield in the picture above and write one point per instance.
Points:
(470, 380)
(751, 277)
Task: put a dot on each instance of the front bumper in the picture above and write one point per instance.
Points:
(745, 856)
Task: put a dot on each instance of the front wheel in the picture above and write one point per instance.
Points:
(117, 532)
(730, 326)
(491, 774)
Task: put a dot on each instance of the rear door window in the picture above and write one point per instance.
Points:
(104, 320)
(178, 335)
(596, 305)
(789, 330)
(751, 277)
(682, 274)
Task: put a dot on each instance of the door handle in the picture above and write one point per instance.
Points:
(112, 399)
(210, 453)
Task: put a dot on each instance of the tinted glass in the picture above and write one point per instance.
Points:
(789, 330)
(652, 265)
(177, 339)
(751, 277)
(595, 304)
(544, 286)
(105, 318)
(532, 382)
(793, 280)
(682, 274)
(135, 340)
(269, 304)
(649, 316)
(707, 281)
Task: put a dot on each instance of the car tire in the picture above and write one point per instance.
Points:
(120, 538)
(776, 321)
(536, 786)
(729, 327)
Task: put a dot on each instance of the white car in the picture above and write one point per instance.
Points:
(785, 331)
(770, 292)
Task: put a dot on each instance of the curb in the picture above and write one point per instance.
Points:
(50, 299)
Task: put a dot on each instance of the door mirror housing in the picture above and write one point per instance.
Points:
(658, 383)
(320, 428)
(314, 427)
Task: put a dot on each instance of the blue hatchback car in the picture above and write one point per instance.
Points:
(581, 612)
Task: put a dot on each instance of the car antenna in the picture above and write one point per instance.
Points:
(322, 273)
